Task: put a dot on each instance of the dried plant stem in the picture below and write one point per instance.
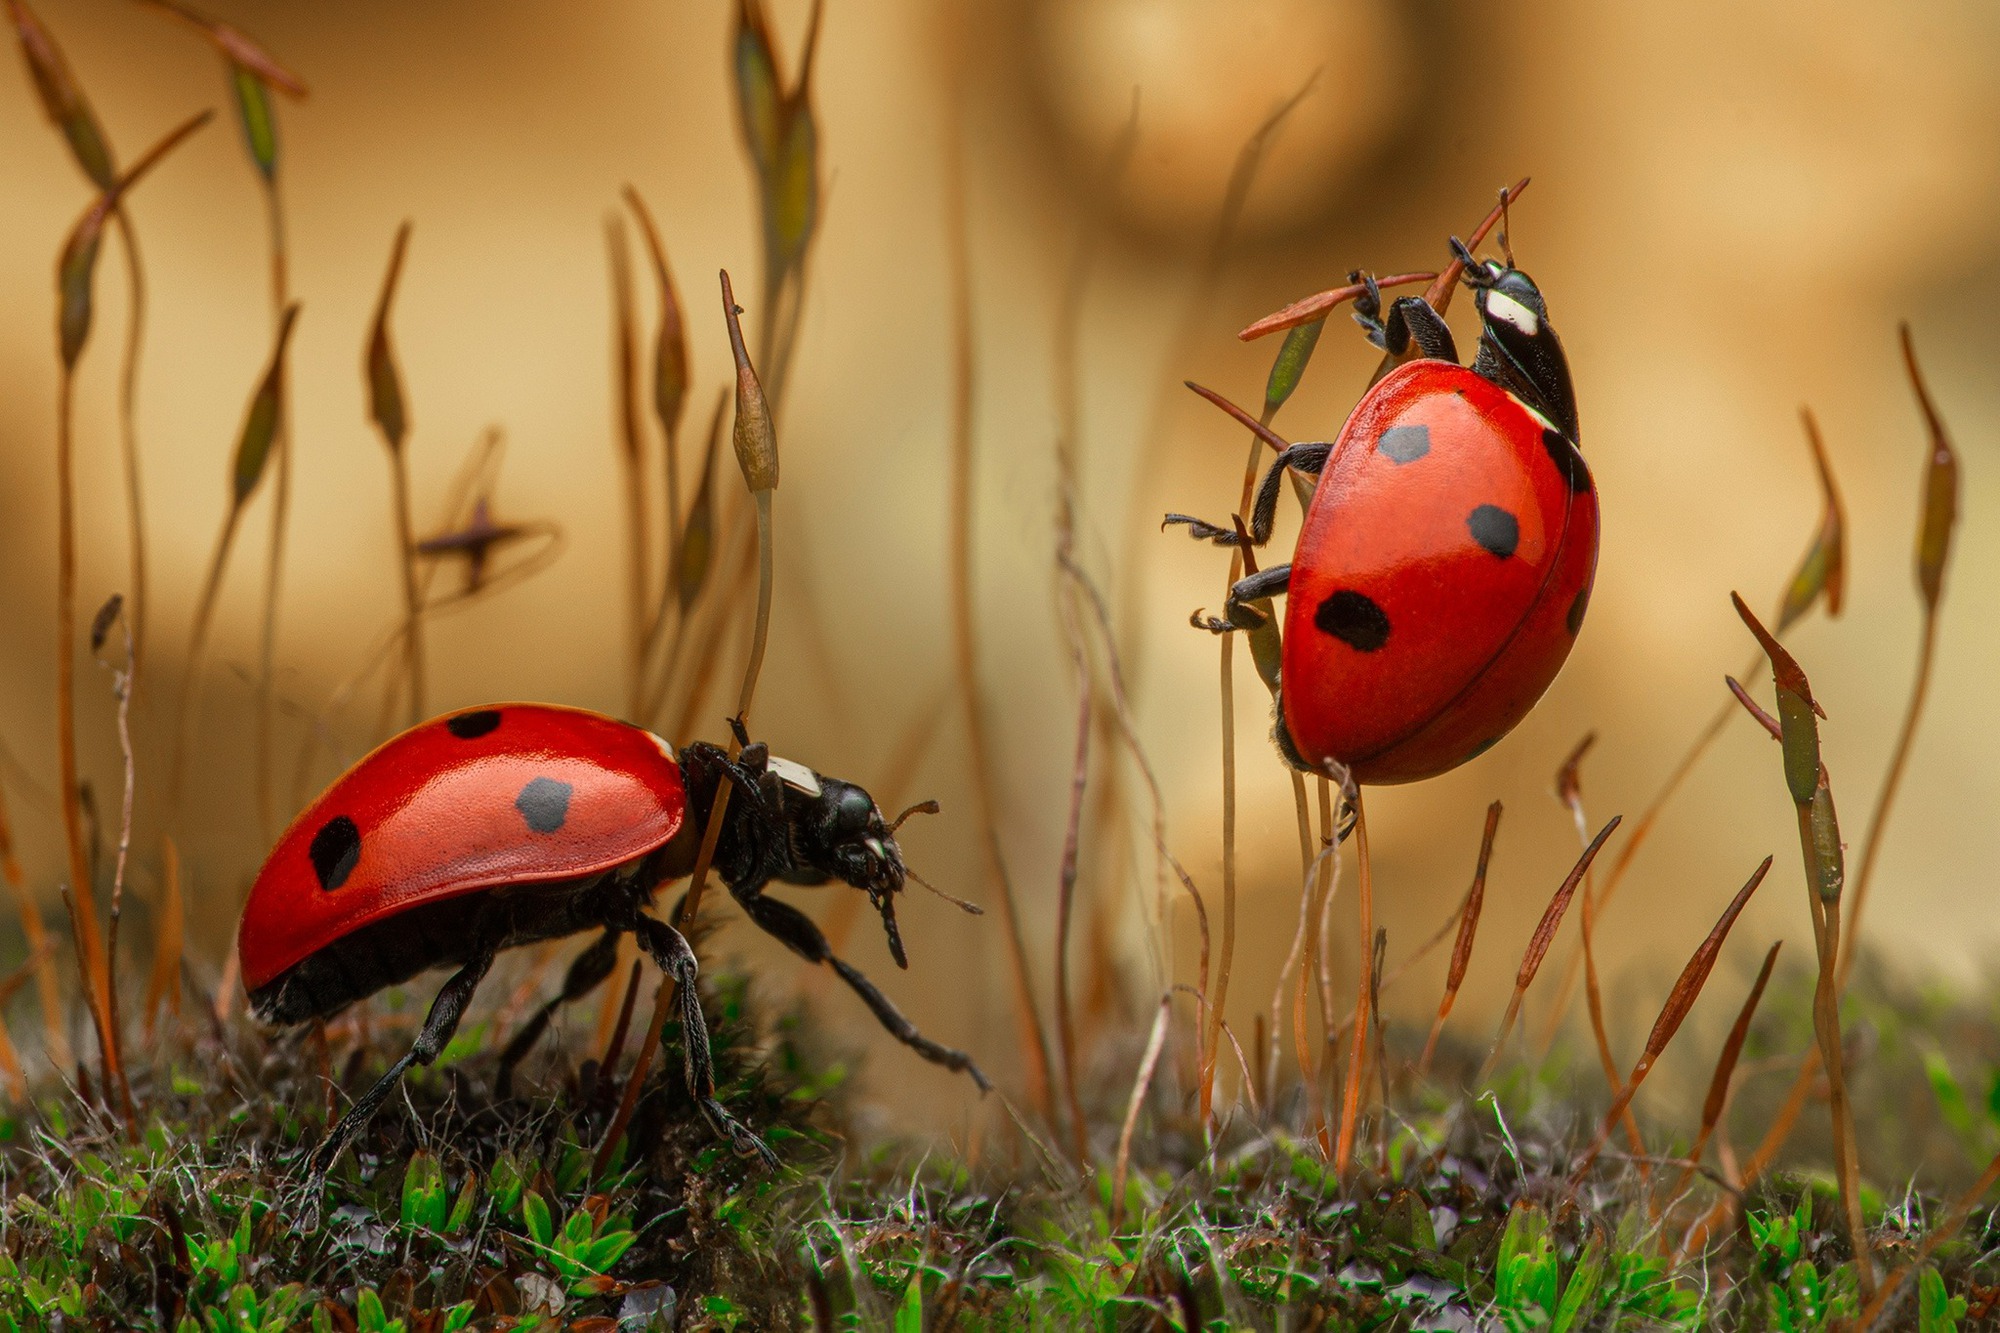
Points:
(1885, 798)
(128, 436)
(281, 508)
(1468, 930)
(204, 613)
(1316, 966)
(82, 898)
(163, 986)
(663, 997)
(613, 1046)
(1343, 1147)
(1725, 1067)
(1826, 1027)
(761, 632)
(41, 950)
(631, 457)
(1086, 707)
(122, 688)
(1155, 1042)
(1538, 947)
(965, 647)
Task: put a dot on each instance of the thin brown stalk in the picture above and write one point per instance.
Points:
(1468, 930)
(1569, 790)
(965, 647)
(1343, 1147)
(1155, 1042)
(35, 933)
(1066, 878)
(391, 419)
(663, 997)
(631, 457)
(128, 435)
(1725, 1068)
(1934, 535)
(670, 382)
(121, 688)
(614, 1045)
(1538, 947)
(281, 508)
(1686, 990)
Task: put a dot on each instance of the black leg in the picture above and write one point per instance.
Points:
(1238, 609)
(590, 968)
(797, 932)
(1309, 459)
(674, 957)
(1411, 322)
(439, 1025)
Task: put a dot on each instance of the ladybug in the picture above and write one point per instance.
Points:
(516, 823)
(1445, 562)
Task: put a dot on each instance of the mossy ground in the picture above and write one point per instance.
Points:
(458, 1211)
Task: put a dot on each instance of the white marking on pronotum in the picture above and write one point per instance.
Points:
(794, 774)
(1507, 310)
(660, 744)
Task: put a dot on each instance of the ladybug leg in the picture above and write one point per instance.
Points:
(436, 1033)
(1411, 323)
(1240, 609)
(1309, 459)
(796, 931)
(588, 969)
(671, 952)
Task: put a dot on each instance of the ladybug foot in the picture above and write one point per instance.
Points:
(1203, 531)
(737, 1132)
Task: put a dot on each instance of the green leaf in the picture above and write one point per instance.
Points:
(1937, 1310)
(535, 1216)
(253, 110)
(607, 1250)
(1290, 364)
(461, 1209)
(260, 422)
(368, 1312)
(757, 93)
(1580, 1295)
(910, 1312)
(1952, 1105)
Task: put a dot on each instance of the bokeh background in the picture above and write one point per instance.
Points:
(1733, 205)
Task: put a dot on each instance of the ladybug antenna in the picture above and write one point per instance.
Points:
(920, 808)
(970, 909)
(1506, 247)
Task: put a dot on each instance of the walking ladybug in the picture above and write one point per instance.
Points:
(516, 823)
(1446, 557)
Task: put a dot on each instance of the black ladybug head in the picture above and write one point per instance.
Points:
(1518, 349)
(838, 831)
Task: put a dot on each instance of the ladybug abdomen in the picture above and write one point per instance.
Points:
(514, 794)
(1449, 536)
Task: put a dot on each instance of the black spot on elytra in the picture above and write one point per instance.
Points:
(1567, 460)
(544, 803)
(1495, 529)
(1404, 444)
(1354, 619)
(471, 726)
(334, 850)
(1577, 606)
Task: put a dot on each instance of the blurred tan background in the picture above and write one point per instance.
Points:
(1732, 207)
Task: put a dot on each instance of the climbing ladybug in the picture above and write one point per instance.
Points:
(516, 823)
(1446, 557)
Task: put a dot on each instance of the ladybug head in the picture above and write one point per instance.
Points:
(1517, 347)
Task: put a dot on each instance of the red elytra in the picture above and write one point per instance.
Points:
(444, 810)
(1439, 579)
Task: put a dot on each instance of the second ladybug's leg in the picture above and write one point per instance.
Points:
(432, 1038)
(797, 932)
(1309, 459)
(588, 969)
(674, 957)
